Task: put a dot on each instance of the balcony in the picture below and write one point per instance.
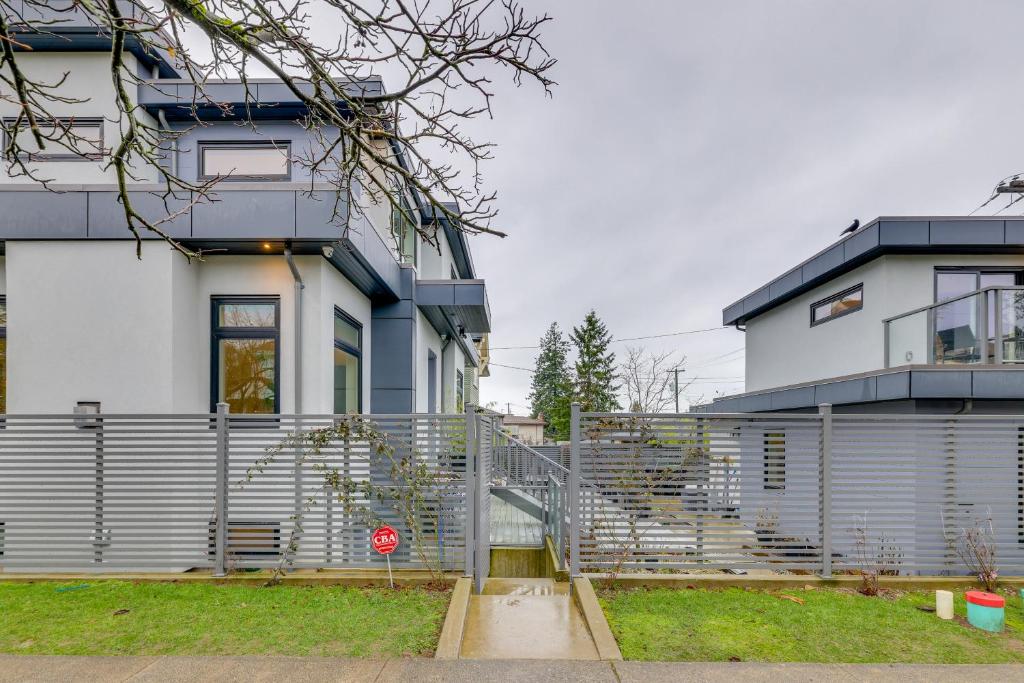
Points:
(983, 327)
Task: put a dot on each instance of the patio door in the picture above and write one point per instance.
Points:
(958, 335)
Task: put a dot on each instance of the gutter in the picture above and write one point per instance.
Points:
(299, 286)
(162, 118)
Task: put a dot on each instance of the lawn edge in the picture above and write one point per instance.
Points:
(449, 644)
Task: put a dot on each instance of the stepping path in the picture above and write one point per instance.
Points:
(525, 619)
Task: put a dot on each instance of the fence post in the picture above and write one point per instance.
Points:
(825, 411)
(471, 484)
(575, 506)
(220, 537)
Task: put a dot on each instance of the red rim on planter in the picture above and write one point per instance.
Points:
(985, 599)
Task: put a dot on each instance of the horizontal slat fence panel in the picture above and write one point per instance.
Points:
(106, 493)
(699, 492)
(138, 492)
(903, 490)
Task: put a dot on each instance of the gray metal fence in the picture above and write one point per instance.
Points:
(817, 493)
(482, 435)
(176, 492)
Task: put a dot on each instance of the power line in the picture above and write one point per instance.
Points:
(626, 339)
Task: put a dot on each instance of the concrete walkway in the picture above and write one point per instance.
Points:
(525, 619)
(102, 669)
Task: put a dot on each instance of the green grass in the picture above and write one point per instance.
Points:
(830, 626)
(205, 619)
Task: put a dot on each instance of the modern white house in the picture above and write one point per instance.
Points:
(285, 313)
(904, 314)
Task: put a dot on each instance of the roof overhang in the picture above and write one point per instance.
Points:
(66, 27)
(253, 99)
(884, 235)
(246, 218)
(459, 305)
(909, 382)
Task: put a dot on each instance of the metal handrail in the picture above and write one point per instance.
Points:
(953, 299)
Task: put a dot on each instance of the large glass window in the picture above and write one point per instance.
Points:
(958, 335)
(245, 160)
(844, 302)
(246, 341)
(460, 391)
(404, 230)
(65, 139)
(348, 363)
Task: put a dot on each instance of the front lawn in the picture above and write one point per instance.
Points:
(810, 625)
(123, 618)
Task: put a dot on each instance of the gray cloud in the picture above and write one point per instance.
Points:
(692, 151)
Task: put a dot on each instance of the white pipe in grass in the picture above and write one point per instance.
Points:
(944, 604)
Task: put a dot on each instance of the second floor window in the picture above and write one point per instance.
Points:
(65, 139)
(404, 230)
(246, 353)
(837, 305)
(245, 160)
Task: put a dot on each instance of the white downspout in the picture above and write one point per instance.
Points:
(162, 118)
(299, 286)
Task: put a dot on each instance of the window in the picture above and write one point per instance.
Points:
(245, 160)
(774, 461)
(838, 305)
(66, 139)
(404, 230)
(245, 364)
(348, 364)
(460, 392)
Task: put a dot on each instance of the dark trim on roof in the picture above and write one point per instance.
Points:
(906, 382)
(66, 27)
(456, 238)
(225, 100)
(884, 235)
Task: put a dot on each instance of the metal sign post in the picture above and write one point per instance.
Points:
(384, 541)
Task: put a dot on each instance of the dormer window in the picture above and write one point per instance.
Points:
(254, 161)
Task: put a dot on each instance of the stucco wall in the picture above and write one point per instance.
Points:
(135, 334)
(782, 348)
(89, 80)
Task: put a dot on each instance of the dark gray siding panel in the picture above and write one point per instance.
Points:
(998, 384)
(246, 214)
(756, 300)
(49, 215)
(1014, 232)
(903, 232)
(892, 386)
(786, 283)
(967, 232)
(314, 215)
(392, 401)
(106, 215)
(833, 258)
(847, 391)
(470, 294)
(940, 384)
(755, 404)
(435, 294)
(792, 398)
(731, 313)
(861, 242)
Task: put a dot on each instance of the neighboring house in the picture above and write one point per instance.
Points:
(283, 314)
(529, 430)
(907, 315)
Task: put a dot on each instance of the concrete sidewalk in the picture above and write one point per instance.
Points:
(28, 668)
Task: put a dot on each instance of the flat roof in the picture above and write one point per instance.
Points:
(996, 382)
(884, 235)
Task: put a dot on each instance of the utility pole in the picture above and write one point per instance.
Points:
(675, 372)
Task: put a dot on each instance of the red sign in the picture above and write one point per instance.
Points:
(384, 540)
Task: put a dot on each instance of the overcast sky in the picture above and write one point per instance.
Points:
(694, 150)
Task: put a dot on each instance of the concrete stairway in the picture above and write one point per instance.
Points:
(525, 619)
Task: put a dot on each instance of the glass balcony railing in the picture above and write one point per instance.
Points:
(985, 326)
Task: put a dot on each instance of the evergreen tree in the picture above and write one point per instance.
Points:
(595, 366)
(551, 391)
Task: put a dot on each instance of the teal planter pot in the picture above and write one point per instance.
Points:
(986, 611)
